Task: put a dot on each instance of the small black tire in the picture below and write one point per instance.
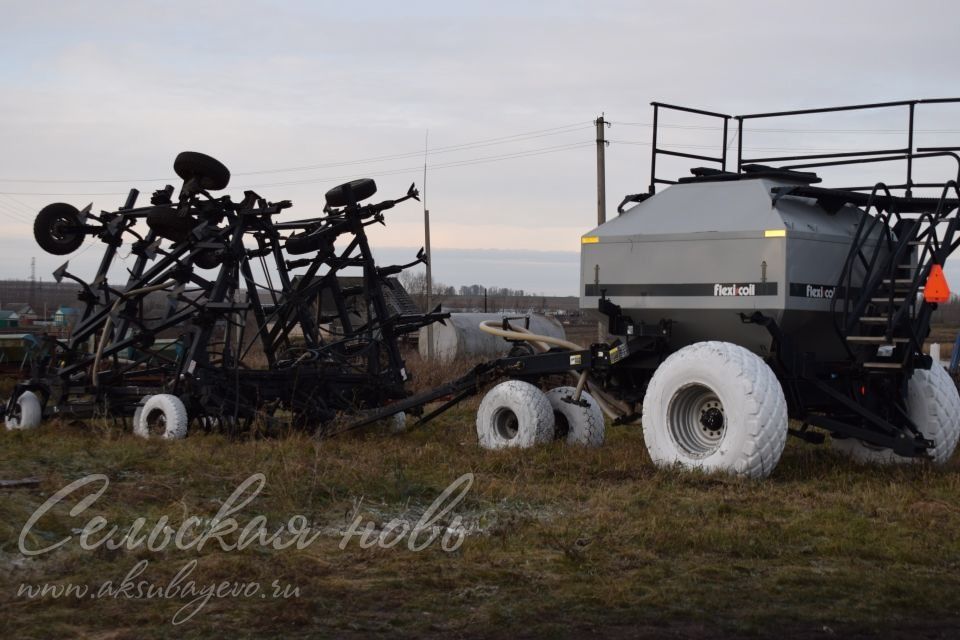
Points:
(48, 229)
(210, 173)
(207, 259)
(350, 193)
(169, 224)
(301, 243)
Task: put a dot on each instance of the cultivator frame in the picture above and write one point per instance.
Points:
(202, 252)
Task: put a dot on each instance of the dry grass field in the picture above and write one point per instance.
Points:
(561, 542)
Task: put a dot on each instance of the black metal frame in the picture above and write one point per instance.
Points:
(347, 369)
(622, 368)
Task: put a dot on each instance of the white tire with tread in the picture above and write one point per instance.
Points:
(397, 422)
(715, 406)
(933, 405)
(30, 412)
(139, 410)
(514, 414)
(584, 425)
(162, 416)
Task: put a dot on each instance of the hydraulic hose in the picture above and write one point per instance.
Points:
(108, 325)
(612, 407)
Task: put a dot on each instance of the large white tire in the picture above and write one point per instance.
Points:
(514, 414)
(162, 416)
(577, 424)
(28, 414)
(933, 405)
(715, 406)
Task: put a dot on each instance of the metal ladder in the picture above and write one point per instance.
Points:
(896, 254)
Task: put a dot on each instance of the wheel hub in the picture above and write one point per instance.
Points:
(696, 420)
(711, 418)
(156, 423)
(506, 424)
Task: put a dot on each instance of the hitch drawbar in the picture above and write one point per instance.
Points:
(597, 358)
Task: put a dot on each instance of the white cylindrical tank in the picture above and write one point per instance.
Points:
(461, 337)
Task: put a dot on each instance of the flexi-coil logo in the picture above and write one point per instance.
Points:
(815, 291)
(724, 290)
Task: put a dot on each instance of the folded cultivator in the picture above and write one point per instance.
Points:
(228, 317)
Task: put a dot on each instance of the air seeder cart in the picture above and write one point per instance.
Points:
(739, 299)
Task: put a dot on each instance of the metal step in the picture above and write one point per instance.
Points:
(888, 300)
(882, 365)
(877, 340)
(874, 319)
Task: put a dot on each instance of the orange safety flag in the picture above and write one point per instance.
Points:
(936, 289)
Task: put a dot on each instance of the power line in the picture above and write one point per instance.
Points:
(390, 172)
(437, 150)
(519, 137)
(21, 206)
(14, 215)
(446, 165)
(782, 130)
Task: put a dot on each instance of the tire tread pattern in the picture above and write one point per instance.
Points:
(766, 407)
(533, 411)
(587, 427)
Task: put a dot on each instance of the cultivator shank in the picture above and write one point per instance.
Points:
(240, 316)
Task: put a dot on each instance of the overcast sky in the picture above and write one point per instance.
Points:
(112, 91)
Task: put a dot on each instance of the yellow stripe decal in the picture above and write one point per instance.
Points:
(775, 233)
(589, 240)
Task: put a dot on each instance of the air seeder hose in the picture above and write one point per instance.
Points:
(612, 407)
(108, 325)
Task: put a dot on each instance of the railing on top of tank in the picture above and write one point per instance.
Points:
(908, 153)
(657, 151)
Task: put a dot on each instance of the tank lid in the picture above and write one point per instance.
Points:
(750, 172)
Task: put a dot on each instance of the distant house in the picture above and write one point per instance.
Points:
(24, 311)
(9, 319)
(65, 316)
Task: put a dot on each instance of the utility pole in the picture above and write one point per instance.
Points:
(426, 231)
(426, 234)
(601, 201)
(33, 282)
(601, 171)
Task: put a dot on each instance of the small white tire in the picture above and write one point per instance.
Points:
(139, 410)
(715, 406)
(397, 422)
(933, 405)
(580, 424)
(28, 413)
(162, 416)
(514, 414)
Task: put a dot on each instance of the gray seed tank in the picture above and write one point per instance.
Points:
(702, 252)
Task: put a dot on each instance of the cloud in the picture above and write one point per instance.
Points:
(116, 91)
